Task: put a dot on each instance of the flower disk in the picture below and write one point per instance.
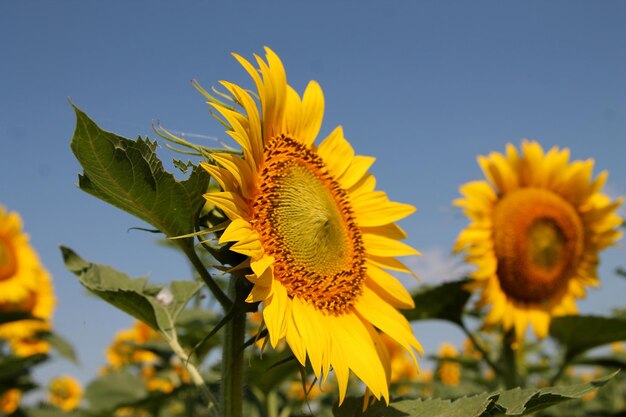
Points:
(537, 226)
(319, 237)
(307, 225)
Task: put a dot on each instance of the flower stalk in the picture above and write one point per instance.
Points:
(231, 394)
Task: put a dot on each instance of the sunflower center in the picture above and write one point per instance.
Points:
(305, 221)
(538, 242)
(8, 260)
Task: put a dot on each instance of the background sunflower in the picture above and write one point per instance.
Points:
(537, 226)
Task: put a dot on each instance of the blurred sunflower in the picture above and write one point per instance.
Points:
(10, 401)
(124, 350)
(25, 287)
(317, 234)
(537, 225)
(18, 261)
(65, 392)
(449, 372)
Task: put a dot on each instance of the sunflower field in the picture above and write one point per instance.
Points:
(296, 304)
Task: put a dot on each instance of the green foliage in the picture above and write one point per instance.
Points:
(14, 368)
(443, 302)
(131, 295)
(129, 175)
(514, 402)
(61, 346)
(111, 391)
(581, 333)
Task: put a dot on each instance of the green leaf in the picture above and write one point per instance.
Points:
(604, 361)
(131, 295)
(524, 401)
(13, 366)
(581, 333)
(115, 390)
(515, 402)
(474, 406)
(62, 346)
(129, 175)
(444, 302)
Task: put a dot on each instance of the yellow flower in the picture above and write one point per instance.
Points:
(537, 225)
(449, 372)
(65, 392)
(10, 400)
(319, 237)
(18, 261)
(39, 301)
(122, 351)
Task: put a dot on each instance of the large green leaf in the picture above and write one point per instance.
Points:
(524, 401)
(443, 302)
(581, 333)
(132, 295)
(115, 390)
(515, 402)
(129, 175)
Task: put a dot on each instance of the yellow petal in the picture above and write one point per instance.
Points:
(230, 203)
(356, 171)
(239, 169)
(336, 152)
(388, 320)
(274, 314)
(313, 333)
(238, 229)
(382, 246)
(388, 287)
(312, 113)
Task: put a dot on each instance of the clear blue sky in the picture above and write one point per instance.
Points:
(423, 86)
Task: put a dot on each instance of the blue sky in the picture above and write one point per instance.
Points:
(423, 86)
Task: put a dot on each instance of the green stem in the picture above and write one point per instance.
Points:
(559, 372)
(217, 292)
(482, 351)
(197, 379)
(232, 359)
(509, 358)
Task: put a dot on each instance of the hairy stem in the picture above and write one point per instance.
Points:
(172, 340)
(232, 359)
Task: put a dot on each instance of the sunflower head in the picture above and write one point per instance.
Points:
(537, 225)
(449, 372)
(19, 264)
(123, 351)
(10, 400)
(65, 393)
(318, 236)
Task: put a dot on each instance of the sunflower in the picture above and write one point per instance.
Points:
(18, 261)
(124, 351)
(537, 226)
(10, 401)
(65, 392)
(318, 236)
(24, 335)
(449, 372)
